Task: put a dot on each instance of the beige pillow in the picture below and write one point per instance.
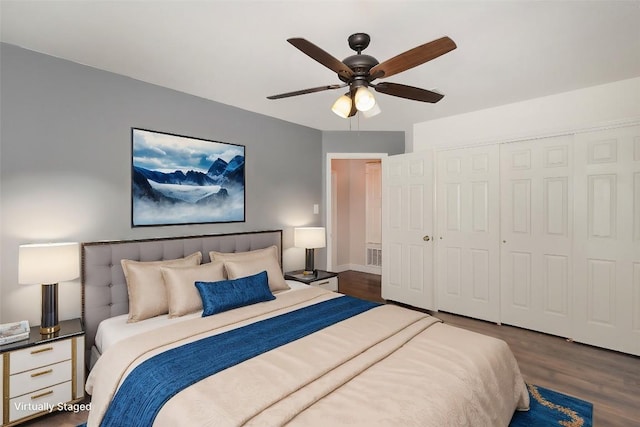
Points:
(147, 292)
(241, 256)
(182, 293)
(236, 269)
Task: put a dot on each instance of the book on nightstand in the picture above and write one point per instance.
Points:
(12, 332)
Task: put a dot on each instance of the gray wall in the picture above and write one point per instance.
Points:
(363, 142)
(65, 153)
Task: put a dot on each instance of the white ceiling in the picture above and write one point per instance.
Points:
(235, 52)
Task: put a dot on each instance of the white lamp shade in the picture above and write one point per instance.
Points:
(364, 99)
(48, 263)
(372, 112)
(309, 237)
(342, 106)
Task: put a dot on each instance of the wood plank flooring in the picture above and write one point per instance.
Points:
(609, 380)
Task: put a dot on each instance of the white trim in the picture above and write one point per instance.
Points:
(602, 126)
(334, 216)
(358, 267)
(328, 187)
(613, 124)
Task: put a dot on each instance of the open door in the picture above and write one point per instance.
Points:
(407, 229)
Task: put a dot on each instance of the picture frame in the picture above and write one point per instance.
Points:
(179, 180)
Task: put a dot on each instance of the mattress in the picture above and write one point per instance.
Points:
(385, 366)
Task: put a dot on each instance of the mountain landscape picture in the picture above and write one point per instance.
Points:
(181, 180)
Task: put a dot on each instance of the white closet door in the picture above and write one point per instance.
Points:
(467, 194)
(407, 218)
(607, 239)
(536, 231)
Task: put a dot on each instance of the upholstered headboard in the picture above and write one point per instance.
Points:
(104, 289)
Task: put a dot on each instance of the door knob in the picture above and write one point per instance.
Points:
(426, 238)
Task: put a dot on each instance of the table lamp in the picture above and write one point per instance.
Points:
(309, 238)
(47, 264)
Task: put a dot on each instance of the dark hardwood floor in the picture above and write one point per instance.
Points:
(609, 380)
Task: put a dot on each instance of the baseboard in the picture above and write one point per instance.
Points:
(358, 267)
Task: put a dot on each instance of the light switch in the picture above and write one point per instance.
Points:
(316, 209)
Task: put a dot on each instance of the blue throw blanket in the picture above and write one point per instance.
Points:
(155, 381)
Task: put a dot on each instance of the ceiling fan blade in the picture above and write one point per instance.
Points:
(305, 91)
(412, 58)
(321, 56)
(408, 92)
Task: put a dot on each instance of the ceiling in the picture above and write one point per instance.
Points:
(235, 52)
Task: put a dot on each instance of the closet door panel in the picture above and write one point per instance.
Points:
(556, 280)
(467, 191)
(520, 279)
(607, 242)
(520, 206)
(452, 269)
(536, 209)
(555, 207)
(601, 292)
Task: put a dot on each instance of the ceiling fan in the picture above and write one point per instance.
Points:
(360, 70)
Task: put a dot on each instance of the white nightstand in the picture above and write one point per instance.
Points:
(42, 373)
(322, 279)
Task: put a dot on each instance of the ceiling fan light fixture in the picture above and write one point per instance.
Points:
(360, 70)
(372, 112)
(342, 106)
(364, 99)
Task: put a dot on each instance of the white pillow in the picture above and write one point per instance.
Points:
(182, 293)
(147, 292)
(248, 267)
(271, 251)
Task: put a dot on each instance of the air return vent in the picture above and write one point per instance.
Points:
(374, 257)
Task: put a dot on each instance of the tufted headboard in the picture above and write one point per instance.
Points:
(104, 289)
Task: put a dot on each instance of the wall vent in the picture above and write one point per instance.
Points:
(374, 257)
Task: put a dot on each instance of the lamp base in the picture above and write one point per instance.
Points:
(49, 330)
(309, 256)
(49, 319)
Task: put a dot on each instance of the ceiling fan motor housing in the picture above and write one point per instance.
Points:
(360, 64)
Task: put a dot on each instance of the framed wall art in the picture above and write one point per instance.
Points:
(177, 179)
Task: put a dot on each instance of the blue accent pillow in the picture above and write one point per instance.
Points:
(229, 294)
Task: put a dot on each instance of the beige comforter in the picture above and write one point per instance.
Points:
(388, 366)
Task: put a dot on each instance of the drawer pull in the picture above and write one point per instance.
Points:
(37, 374)
(38, 396)
(42, 350)
(323, 283)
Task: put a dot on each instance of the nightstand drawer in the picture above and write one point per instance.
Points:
(39, 356)
(330, 284)
(39, 378)
(38, 401)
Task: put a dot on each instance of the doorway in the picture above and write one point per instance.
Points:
(353, 215)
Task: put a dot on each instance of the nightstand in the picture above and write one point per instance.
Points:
(322, 279)
(43, 373)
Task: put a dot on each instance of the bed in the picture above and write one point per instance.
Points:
(296, 355)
